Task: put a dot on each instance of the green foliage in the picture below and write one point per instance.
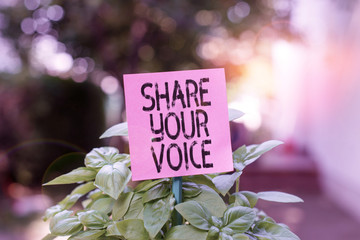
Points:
(113, 210)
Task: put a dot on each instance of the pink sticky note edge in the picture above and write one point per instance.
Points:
(140, 134)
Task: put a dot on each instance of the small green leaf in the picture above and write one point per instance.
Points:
(136, 208)
(240, 236)
(190, 189)
(251, 197)
(255, 151)
(49, 237)
(146, 185)
(213, 233)
(157, 213)
(239, 218)
(195, 214)
(93, 219)
(159, 191)
(272, 231)
(87, 235)
(224, 236)
(279, 197)
(234, 114)
(76, 194)
(131, 229)
(185, 232)
(80, 174)
(200, 179)
(112, 179)
(217, 222)
(210, 200)
(63, 223)
(51, 211)
(99, 157)
(120, 129)
(122, 205)
(224, 182)
(103, 204)
(238, 199)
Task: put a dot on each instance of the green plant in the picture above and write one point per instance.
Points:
(112, 209)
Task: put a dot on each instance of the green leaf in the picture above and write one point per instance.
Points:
(80, 174)
(93, 219)
(224, 182)
(238, 199)
(251, 197)
(131, 229)
(239, 218)
(75, 195)
(234, 114)
(87, 235)
(279, 197)
(49, 237)
(240, 236)
(103, 204)
(122, 205)
(63, 223)
(195, 214)
(210, 200)
(255, 151)
(136, 208)
(224, 236)
(200, 179)
(146, 185)
(190, 189)
(185, 232)
(112, 179)
(120, 129)
(99, 157)
(213, 233)
(159, 191)
(51, 211)
(272, 231)
(157, 213)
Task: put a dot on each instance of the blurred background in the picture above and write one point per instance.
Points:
(291, 66)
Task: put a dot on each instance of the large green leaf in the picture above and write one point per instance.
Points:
(146, 185)
(80, 174)
(241, 236)
(275, 196)
(239, 218)
(131, 229)
(64, 223)
(136, 208)
(120, 129)
(273, 231)
(210, 200)
(185, 232)
(122, 205)
(112, 179)
(99, 157)
(159, 191)
(88, 235)
(197, 215)
(93, 219)
(224, 182)
(157, 213)
(103, 204)
(234, 114)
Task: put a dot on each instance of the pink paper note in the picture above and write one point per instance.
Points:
(178, 123)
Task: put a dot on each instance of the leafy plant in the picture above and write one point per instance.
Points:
(112, 209)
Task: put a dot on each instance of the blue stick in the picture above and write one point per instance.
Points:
(177, 191)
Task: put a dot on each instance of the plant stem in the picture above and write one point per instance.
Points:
(237, 185)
